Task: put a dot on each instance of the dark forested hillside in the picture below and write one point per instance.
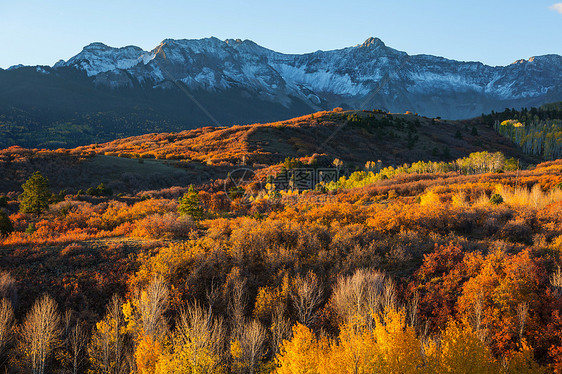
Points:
(65, 109)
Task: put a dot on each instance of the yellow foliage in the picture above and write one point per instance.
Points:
(165, 263)
(235, 349)
(128, 313)
(460, 351)
(429, 198)
(400, 349)
(301, 354)
(523, 362)
(460, 199)
(392, 347)
(105, 354)
(268, 298)
(147, 355)
(524, 197)
(353, 353)
(184, 360)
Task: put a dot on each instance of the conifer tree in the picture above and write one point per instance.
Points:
(190, 205)
(6, 226)
(35, 196)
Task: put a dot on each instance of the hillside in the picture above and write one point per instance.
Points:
(199, 156)
(448, 256)
(365, 228)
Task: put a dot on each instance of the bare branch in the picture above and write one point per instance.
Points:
(40, 332)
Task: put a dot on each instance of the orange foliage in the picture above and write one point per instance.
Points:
(147, 355)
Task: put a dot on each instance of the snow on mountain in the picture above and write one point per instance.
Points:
(98, 58)
(14, 67)
(366, 75)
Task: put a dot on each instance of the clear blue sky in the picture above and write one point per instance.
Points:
(496, 32)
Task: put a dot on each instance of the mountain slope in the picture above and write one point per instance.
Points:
(370, 74)
(183, 84)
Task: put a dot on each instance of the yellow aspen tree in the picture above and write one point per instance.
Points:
(197, 345)
(400, 349)
(460, 350)
(523, 362)
(354, 352)
(147, 324)
(301, 354)
(108, 348)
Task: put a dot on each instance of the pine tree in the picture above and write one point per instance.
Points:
(458, 134)
(35, 196)
(190, 205)
(6, 226)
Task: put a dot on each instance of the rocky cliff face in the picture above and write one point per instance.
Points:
(366, 76)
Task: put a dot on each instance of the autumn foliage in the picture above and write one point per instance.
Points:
(418, 272)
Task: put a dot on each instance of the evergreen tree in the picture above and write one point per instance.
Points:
(190, 205)
(446, 153)
(100, 190)
(6, 226)
(458, 134)
(35, 196)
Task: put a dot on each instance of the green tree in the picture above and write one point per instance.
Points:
(35, 196)
(190, 205)
(292, 163)
(458, 134)
(6, 226)
(100, 190)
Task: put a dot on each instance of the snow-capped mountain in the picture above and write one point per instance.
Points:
(105, 93)
(366, 76)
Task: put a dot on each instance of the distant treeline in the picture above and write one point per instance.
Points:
(475, 163)
(533, 115)
(538, 131)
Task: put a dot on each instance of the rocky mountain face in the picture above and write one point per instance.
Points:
(370, 75)
(209, 81)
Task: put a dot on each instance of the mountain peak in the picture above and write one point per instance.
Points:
(211, 39)
(233, 41)
(96, 46)
(14, 67)
(322, 79)
(373, 42)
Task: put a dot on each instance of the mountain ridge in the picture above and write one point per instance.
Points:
(188, 83)
(368, 42)
(323, 78)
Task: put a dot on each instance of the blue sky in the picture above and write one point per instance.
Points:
(496, 32)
